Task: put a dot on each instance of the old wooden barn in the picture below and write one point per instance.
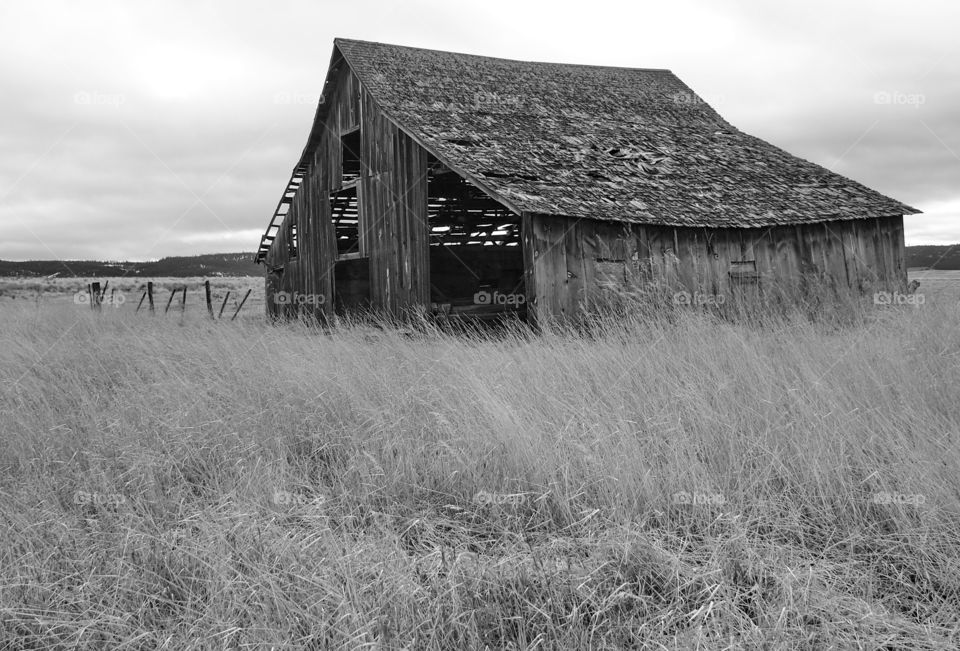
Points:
(461, 184)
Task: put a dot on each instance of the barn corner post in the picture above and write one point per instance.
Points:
(528, 243)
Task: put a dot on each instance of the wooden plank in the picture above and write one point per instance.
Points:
(848, 251)
(684, 243)
(575, 274)
(550, 265)
(414, 235)
(834, 269)
(898, 250)
(710, 261)
(528, 246)
(209, 299)
(867, 255)
(325, 281)
(642, 263)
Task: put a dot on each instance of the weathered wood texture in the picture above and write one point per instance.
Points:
(571, 261)
(392, 215)
(393, 207)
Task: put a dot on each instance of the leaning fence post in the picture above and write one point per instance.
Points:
(173, 292)
(142, 297)
(240, 307)
(206, 288)
(223, 305)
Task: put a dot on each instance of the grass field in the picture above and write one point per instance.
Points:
(677, 482)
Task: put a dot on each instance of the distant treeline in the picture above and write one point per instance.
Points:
(934, 257)
(211, 264)
(241, 264)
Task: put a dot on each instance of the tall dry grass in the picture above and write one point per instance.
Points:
(675, 482)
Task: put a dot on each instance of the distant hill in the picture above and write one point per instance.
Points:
(934, 257)
(210, 264)
(241, 264)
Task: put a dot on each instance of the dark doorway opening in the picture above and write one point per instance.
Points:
(476, 256)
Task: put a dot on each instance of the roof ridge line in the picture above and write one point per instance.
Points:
(338, 40)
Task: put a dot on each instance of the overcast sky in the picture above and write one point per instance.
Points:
(135, 130)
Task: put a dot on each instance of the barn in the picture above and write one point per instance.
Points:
(463, 185)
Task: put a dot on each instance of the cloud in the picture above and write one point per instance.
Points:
(135, 130)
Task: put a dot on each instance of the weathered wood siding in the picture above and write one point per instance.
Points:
(569, 261)
(392, 216)
(393, 200)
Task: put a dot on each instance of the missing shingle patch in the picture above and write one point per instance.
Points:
(503, 175)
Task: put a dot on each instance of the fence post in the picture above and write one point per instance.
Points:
(183, 300)
(142, 297)
(150, 295)
(173, 292)
(96, 296)
(206, 288)
(223, 305)
(240, 307)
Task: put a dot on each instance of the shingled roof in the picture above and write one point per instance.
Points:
(619, 144)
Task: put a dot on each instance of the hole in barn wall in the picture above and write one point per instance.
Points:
(345, 216)
(350, 157)
(292, 239)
